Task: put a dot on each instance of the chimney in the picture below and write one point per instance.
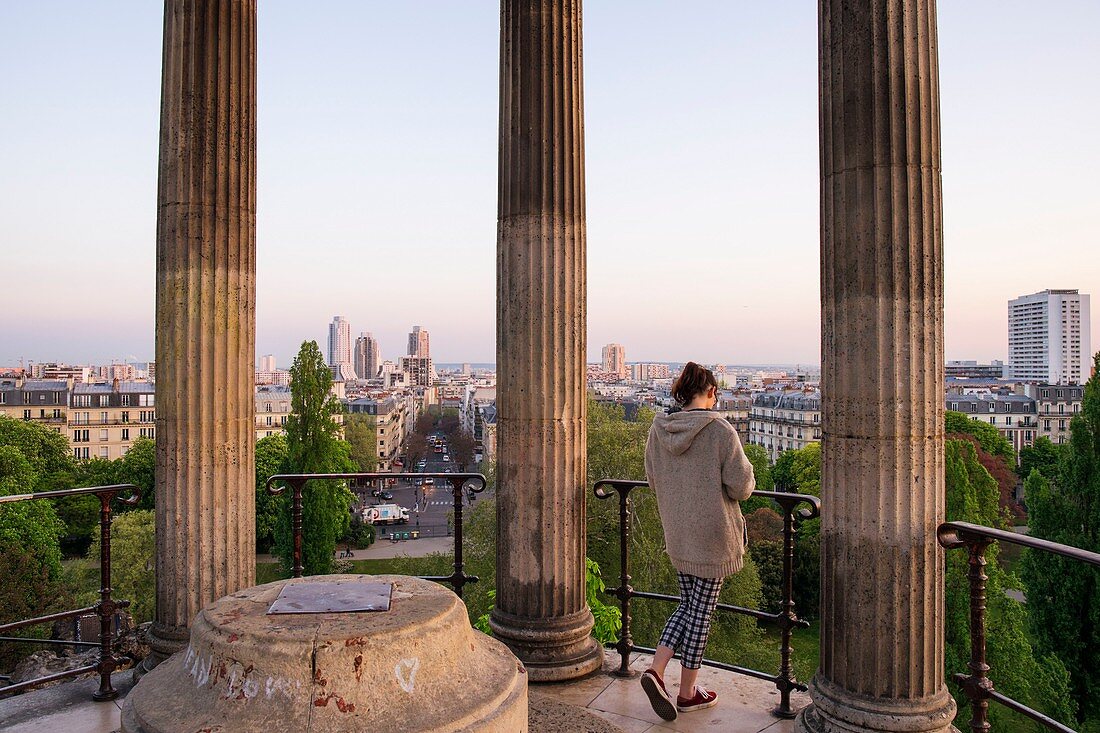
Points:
(114, 385)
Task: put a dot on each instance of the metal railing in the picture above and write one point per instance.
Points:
(460, 482)
(977, 686)
(786, 619)
(105, 608)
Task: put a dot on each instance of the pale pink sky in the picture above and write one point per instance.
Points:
(377, 174)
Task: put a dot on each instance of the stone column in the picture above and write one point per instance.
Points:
(540, 611)
(882, 358)
(206, 312)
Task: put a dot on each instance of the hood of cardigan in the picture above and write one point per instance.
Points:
(677, 431)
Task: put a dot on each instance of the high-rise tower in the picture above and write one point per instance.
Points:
(1048, 337)
(418, 342)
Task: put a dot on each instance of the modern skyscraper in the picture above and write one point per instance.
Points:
(614, 359)
(267, 363)
(1049, 337)
(366, 356)
(339, 348)
(418, 343)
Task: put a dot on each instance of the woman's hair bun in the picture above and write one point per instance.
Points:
(693, 380)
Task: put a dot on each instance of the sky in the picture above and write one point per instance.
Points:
(377, 146)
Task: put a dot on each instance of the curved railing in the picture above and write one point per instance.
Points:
(977, 685)
(460, 482)
(786, 619)
(105, 608)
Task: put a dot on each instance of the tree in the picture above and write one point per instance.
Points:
(461, 445)
(1039, 681)
(989, 437)
(271, 459)
(133, 562)
(46, 451)
(314, 447)
(361, 434)
(1063, 596)
(139, 467)
(30, 550)
(762, 470)
(1042, 455)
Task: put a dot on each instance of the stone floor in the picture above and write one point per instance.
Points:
(745, 704)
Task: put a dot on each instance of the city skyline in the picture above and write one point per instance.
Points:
(394, 188)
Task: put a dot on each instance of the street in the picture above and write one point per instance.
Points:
(429, 506)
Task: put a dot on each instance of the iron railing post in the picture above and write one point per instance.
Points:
(296, 488)
(626, 640)
(977, 685)
(787, 618)
(105, 609)
(459, 573)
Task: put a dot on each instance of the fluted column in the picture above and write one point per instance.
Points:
(882, 360)
(541, 319)
(206, 311)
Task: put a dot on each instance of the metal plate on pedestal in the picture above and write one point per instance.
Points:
(336, 596)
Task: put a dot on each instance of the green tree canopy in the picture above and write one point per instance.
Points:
(988, 436)
(139, 467)
(1043, 455)
(1064, 596)
(314, 447)
(30, 549)
(271, 458)
(1039, 681)
(45, 450)
(361, 434)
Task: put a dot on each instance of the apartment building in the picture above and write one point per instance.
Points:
(272, 410)
(105, 419)
(613, 360)
(1013, 415)
(44, 401)
(1049, 337)
(1055, 406)
(394, 416)
(781, 421)
(736, 407)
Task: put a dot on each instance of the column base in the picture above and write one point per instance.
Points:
(164, 641)
(836, 710)
(552, 650)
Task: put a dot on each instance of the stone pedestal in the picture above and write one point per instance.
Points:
(205, 313)
(419, 666)
(882, 386)
(540, 611)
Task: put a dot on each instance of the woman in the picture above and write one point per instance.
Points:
(697, 468)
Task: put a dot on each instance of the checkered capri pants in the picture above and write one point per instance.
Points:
(689, 626)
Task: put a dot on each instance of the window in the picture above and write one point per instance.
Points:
(82, 400)
(26, 414)
(125, 400)
(103, 418)
(126, 433)
(104, 452)
(126, 417)
(269, 420)
(103, 434)
(104, 400)
(145, 400)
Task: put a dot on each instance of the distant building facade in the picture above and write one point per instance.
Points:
(781, 421)
(1049, 337)
(1055, 407)
(419, 370)
(272, 410)
(419, 344)
(1013, 415)
(614, 360)
(973, 370)
(105, 419)
(366, 356)
(339, 349)
(393, 417)
(643, 372)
